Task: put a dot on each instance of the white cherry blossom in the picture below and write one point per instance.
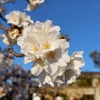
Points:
(30, 7)
(54, 65)
(18, 18)
(13, 34)
(73, 68)
(46, 26)
(36, 43)
(13, 17)
(27, 31)
(33, 4)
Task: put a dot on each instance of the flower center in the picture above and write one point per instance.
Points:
(13, 34)
(46, 45)
(52, 55)
(46, 31)
(14, 19)
(35, 49)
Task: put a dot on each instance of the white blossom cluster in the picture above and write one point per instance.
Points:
(41, 44)
(33, 4)
(19, 20)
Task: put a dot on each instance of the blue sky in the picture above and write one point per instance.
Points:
(78, 18)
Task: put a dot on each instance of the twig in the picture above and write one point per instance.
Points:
(15, 53)
(3, 18)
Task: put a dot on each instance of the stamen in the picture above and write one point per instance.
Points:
(46, 31)
(52, 55)
(35, 49)
(14, 19)
(46, 45)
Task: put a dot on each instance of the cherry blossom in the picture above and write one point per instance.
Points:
(18, 18)
(33, 4)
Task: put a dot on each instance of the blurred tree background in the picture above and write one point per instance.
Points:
(16, 83)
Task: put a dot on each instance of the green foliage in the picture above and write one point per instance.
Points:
(81, 82)
(95, 55)
(84, 82)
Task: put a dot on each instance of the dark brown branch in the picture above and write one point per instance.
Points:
(3, 18)
(15, 53)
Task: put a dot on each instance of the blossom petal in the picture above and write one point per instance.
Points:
(36, 70)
